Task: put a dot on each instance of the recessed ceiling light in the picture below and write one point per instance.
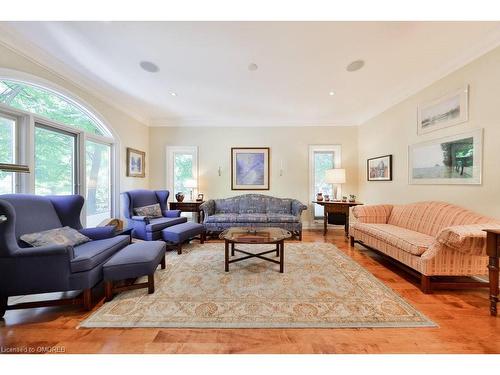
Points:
(355, 65)
(173, 93)
(252, 67)
(148, 66)
(331, 93)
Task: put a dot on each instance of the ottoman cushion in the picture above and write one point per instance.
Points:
(182, 232)
(137, 259)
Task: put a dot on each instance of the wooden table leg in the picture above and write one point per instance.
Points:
(226, 256)
(278, 249)
(282, 256)
(325, 221)
(232, 249)
(346, 225)
(494, 290)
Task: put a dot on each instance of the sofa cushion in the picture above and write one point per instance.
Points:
(253, 204)
(407, 240)
(150, 211)
(59, 236)
(279, 206)
(93, 253)
(163, 222)
(227, 205)
(251, 218)
(282, 218)
(431, 217)
(222, 218)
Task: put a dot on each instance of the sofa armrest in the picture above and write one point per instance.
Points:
(298, 207)
(208, 208)
(99, 233)
(172, 213)
(46, 251)
(375, 214)
(468, 239)
(144, 219)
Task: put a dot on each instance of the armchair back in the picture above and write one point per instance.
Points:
(142, 197)
(29, 213)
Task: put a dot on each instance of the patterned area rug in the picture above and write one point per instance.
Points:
(321, 287)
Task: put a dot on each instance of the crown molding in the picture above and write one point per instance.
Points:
(19, 45)
(472, 53)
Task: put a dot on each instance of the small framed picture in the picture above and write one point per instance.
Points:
(136, 163)
(448, 110)
(200, 197)
(380, 168)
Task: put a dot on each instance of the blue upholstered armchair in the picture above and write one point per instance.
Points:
(145, 228)
(56, 268)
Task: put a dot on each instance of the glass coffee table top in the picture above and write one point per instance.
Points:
(255, 235)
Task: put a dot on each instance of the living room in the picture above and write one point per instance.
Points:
(258, 185)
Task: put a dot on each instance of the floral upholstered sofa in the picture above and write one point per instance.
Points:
(253, 210)
(433, 238)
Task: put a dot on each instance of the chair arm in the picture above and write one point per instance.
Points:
(208, 208)
(468, 239)
(298, 207)
(99, 233)
(45, 251)
(172, 213)
(375, 214)
(140, 218)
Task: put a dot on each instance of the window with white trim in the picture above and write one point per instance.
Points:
(68, 149)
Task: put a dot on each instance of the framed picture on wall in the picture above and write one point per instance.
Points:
(136, 163)
(449, 110)
(249, 168)
(379, 168)
(450, 160)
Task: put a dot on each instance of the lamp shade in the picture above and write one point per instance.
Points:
(191, 184)
(335, 176)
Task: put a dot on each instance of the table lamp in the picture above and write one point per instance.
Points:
(335, 176)
(191, 184)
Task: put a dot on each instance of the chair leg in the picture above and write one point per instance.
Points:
(108, 290)
(3, 305)
(151, 283)
(202, 237)
(351, 240)
(179, 248)
(163, 265)
(425, 284)
(300, 235)
(87, 299)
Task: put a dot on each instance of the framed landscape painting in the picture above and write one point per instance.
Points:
(450, 160)
(249, 168)
(449, 110)
(380, 168)
(136, 163)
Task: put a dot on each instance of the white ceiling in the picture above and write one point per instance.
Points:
(206, 64)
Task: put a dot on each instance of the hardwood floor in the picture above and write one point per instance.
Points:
(465, 325)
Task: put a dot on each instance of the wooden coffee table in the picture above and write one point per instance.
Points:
(248, 235)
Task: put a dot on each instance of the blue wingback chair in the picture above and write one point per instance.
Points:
(145, 228)
(56, 268)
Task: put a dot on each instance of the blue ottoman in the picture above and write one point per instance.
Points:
(135, 260)
(178, 234)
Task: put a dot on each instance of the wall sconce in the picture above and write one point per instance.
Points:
(219, 171)
(19, 168)
(281, 167)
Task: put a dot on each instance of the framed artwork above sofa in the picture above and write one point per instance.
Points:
(250, 168)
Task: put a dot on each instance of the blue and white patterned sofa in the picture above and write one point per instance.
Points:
(253, 210)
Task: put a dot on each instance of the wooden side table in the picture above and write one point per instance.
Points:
(337, 207)
(188, 206)
(493, 251)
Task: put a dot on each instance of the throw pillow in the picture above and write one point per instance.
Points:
(66, 236)
(152, 211)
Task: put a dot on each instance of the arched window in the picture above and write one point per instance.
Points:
(72, 151)
(49, 104)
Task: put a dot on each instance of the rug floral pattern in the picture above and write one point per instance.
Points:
(321, 287)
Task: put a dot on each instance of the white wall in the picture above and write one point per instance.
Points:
(392, 131)
(130, 132)
(290, 144)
